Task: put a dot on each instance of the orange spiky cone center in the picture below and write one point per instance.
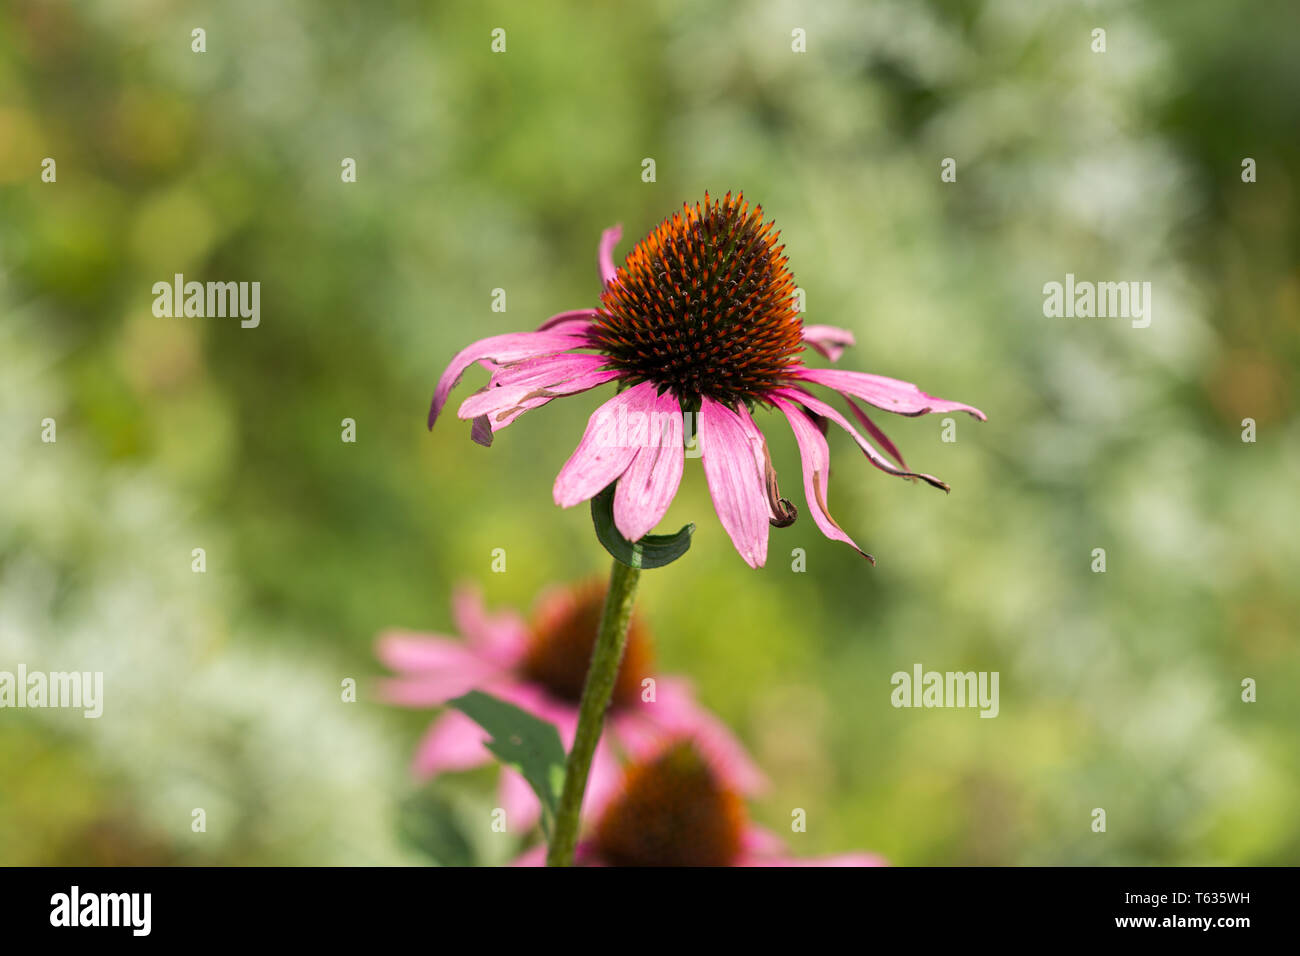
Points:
(563, 633)
(672, 811)
(704, 306)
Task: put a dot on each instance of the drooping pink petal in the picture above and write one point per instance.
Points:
(608, 240)
(730, 449)
(500, 637)
(605, 451)
(780, 512)
(510, 347)
(453, 742)
(575, 320)
(828, 339)
(646, 489)
(818, 407)
(522, 386)
(902, 398)
(816, 457)
(874, 431)
(546, 370)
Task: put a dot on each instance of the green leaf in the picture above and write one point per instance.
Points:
(652, 551)
(520, 740)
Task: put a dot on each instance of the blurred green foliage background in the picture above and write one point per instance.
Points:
(477, 171)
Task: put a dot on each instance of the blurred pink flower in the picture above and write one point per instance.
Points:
(700, 318)
(540, 666)
(678, 806)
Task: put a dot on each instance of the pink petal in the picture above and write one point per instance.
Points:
(828, 340)
(521, 805)
(500, 638)
(546, 370)
(603, 782)
(608, 240)
(647, 487)
(419, 653)
(604, 452)
(902, 398)
(731, 451)
(818, 407)
(816, 457)
(758, 840)
(432, 689)
(510, 347)
(539, 703)
(453, 742)
(584, 855)
(534, 856)
(532, 383)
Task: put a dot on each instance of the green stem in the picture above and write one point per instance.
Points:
(606, 657)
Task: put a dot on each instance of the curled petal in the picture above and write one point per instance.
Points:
(607, 447)
(646, 489)
(828, 340)
(902, 398)
(780, 512)
(731, 452)
(500, 349)
(816, 458)
(480, 431)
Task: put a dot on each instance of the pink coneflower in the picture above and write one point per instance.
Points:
(677, 807)
(540, 667)
(701, 319)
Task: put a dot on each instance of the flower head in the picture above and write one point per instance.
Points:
(703, 307)
(677, 807)
(699, 319)
(539, 665)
